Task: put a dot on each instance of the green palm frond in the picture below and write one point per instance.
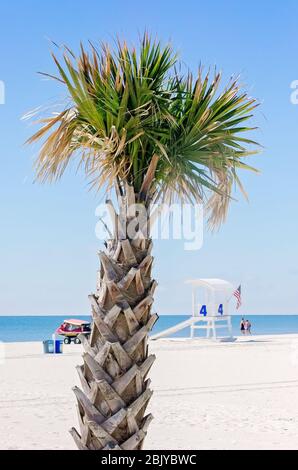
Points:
(133, 118)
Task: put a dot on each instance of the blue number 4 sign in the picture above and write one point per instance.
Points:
(203, 310)
(220, 309)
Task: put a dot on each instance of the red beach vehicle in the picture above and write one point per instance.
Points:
(70, 329)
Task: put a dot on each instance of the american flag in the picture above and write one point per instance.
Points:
(237, 294)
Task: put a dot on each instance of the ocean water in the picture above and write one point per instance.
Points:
(38, 328)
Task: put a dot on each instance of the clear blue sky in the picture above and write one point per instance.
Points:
(48, 245)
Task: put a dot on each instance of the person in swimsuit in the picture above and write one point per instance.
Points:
(242, 329)
(247, 327)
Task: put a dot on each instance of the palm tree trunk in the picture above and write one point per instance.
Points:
(115, 392)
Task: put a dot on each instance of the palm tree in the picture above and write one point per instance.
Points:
(137, 124)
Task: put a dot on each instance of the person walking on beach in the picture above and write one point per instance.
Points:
(242, 329)
(247, 327)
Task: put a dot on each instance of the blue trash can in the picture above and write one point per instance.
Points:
(58, 346)
(50, 346)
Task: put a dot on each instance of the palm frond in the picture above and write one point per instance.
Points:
(133, 118)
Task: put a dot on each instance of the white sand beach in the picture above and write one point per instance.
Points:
(240, 395)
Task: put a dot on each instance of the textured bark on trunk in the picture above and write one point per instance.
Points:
(115, 389)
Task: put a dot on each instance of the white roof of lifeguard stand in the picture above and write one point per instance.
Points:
(213, 284)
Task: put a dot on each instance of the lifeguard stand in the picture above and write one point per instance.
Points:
(210, 303)
(211, 307)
